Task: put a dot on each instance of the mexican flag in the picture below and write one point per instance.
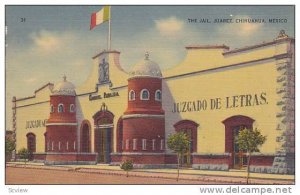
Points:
(100, 17)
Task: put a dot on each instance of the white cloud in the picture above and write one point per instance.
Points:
(169, 26)
(48, 56)
(165, 41)
(45, 41)
(48, 42)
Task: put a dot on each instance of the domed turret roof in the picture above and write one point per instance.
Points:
(146, 68)
(64, 88)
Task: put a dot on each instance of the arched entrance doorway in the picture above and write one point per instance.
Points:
(233, 125)
(103, 136)
(31, 144)
(190, 129)
(85, 136)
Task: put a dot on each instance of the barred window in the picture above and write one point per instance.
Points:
(131, 95)
(127, 144)
(158, 95)
(134, 147)
(145, 94)
(144, 144)
(72, 108)
(51, 108)
(153, 144)
(60, 108)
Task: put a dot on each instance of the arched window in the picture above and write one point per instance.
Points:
(51, 108)
(31, 142)
(144, 94)
(158, 95)
(233, 125)
(72, 108)
(60, 108)
(131, 95)
(189, 128)
(85, 136)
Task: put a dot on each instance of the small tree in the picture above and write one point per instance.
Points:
(9, 147)
(179, 143)
(250, 140)
(24, 154)
(127, 166)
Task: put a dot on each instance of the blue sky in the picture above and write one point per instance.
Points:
(56, 40)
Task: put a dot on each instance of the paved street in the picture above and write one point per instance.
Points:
(40, 176)
(34, 173)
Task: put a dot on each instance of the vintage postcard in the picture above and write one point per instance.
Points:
(150, 94)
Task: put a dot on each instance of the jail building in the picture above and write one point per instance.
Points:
(211, 95)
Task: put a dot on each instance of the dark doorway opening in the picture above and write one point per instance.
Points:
(31, 144)
(190, 129)
(85, 136)
(233, 125)
(103, 136)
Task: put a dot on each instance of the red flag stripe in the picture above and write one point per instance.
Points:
(93, 21)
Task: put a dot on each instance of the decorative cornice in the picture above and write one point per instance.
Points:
(257, 46)
(263, 154)
(211, 154)
(48, 84)
(207, 47)
(241, 64)
(60, 124)
(104, 126)
(228, 154)
(29, 97)
(33, 104)
(142, 116)
(134, 76)
(25, 98)
(105, 52)
(137, 153)
(70, 153)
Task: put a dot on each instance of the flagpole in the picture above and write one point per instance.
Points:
(109, 31)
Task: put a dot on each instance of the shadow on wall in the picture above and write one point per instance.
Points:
(80, 118)
(168, 104)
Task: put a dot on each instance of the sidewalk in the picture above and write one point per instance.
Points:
(231, 176)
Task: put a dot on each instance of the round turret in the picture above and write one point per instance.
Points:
(145, 88)
(64, 88)
(61, 125)
(146, 68)
(144, 119)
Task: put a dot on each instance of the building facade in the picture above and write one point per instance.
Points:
(211, 95)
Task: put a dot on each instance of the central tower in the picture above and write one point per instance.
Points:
(144, 119)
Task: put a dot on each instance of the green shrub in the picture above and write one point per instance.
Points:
(127, 166)
(23, 153)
